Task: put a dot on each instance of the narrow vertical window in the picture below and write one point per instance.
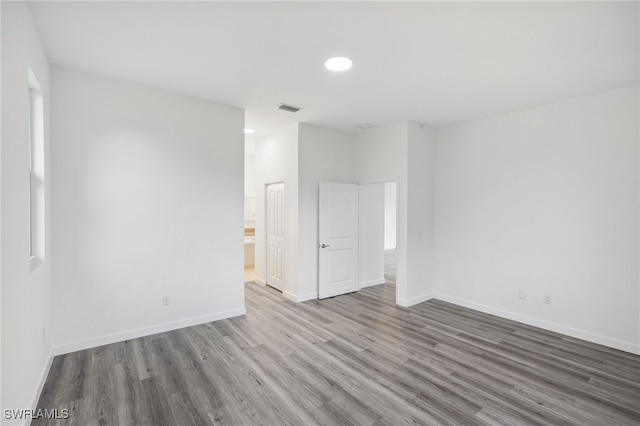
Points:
(36, 173)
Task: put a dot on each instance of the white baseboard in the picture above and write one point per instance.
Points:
(43, 378)
(302, 298)
(290, 296)
(308, 296)
(372, 282)
(145, 331)
(415, 300)
(259, 281)
(558, 328)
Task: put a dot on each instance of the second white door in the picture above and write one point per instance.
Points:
(338, 239)
(275, 235)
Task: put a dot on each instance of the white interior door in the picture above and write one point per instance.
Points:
(338, 239)
(275, 235)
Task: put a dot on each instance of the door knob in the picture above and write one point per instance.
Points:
(324, 245)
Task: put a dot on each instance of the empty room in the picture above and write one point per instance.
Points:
(320, 213)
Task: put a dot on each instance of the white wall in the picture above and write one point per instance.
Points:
(545, 200)
(404, 152)
(276, 160)
(249, 175)
(390, 201)
(372, 234)
(148, 202)
(1, 405)
(420, 220)
(26, 295)
(324, 155)
(381, 156)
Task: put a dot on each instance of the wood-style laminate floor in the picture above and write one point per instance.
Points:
(355, 359)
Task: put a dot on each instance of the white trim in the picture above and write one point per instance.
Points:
(303, 298)
(558, 328)
(290, 295)
(308, 296)
(372, 282)
(415, 300)
(43, 378)
(259, 281)
(145, 331)
(379, 180)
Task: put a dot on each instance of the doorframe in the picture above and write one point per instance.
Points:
(400, 243)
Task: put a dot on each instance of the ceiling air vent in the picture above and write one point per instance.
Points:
(365, 126)
(289, 108)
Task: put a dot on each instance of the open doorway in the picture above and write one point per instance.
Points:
(249, 239)
(390, 232)
(378, 237)
(249, 212)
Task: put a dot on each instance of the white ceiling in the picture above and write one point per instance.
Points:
(433, 62)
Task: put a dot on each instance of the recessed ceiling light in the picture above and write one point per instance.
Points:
(249, 131)
(338, 64)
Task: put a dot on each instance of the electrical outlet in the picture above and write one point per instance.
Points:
(166, 300)
(523, 295)
(546, 298)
